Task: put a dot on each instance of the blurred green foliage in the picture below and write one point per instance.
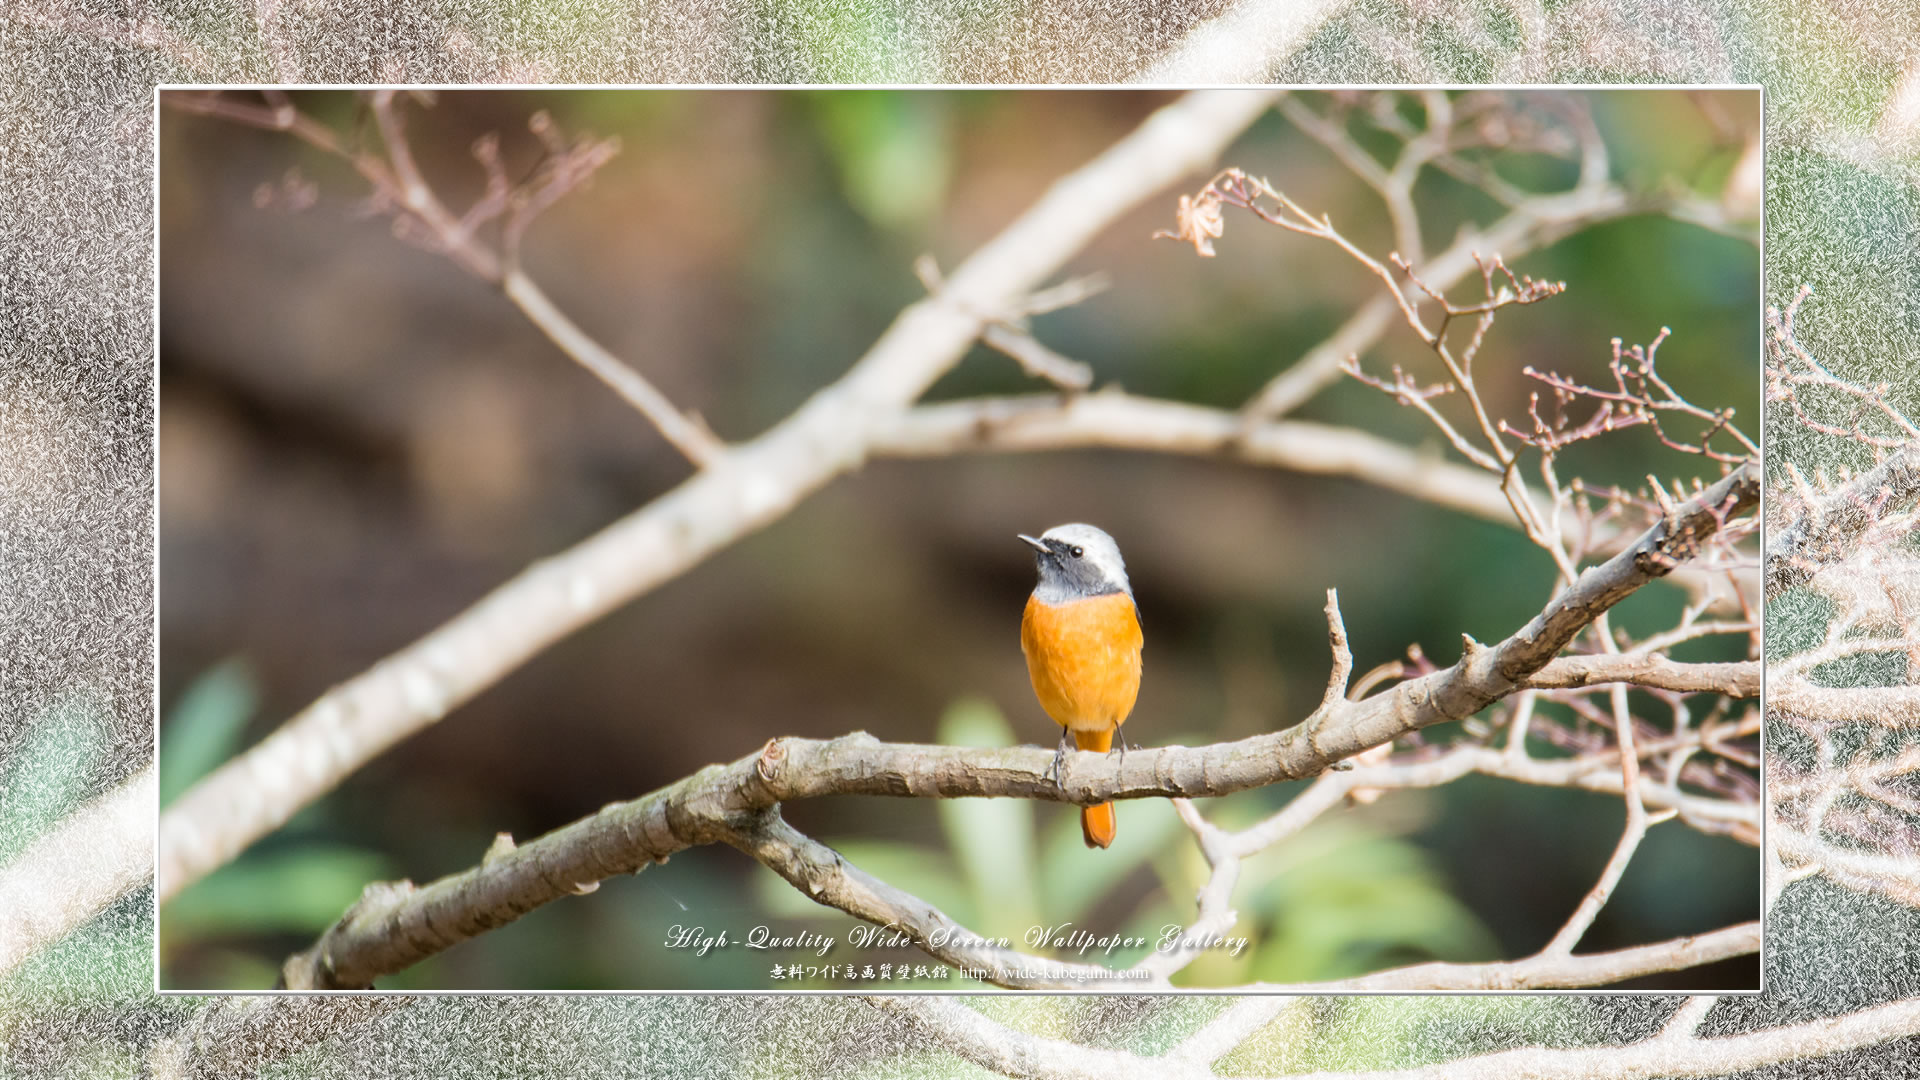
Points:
(52, 775)
(49, 776)
(894, 152)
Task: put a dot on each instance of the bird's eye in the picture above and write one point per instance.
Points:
(1076, 551)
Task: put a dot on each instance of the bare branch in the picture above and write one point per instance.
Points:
(1539, 223)
(978, 1039)
(1790, 368)
(400, 188)
(1243, 45)
(821, 874)
(1685, 1020)
(688, 434)
(1215, 916)
(1007, 331)
(1110, 418)
(1342, 669)
(1887, 706)
(1639, 396)
(1670, 1057)
(1199, 221)
(1533, 220)
(1545, 970)
(1395, 188)
(1637, 824)
(1739, 679)
(137, 33)
(1848, 815)
(1231, 1028)
(1037, 360)
(66, 877)
(1895, 876)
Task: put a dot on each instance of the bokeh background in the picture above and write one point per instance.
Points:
(358, 440)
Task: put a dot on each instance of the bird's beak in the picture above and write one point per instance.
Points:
(1037, 545)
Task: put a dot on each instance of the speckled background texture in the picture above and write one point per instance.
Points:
(76, 477)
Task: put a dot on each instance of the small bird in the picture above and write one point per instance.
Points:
(1081, 635)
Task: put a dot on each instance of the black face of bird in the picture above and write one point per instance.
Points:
(1077, 561)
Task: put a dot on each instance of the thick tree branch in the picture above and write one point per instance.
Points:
(66, 877)
(751, 486)
(396, 925)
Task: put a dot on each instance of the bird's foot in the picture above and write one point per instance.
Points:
(1057, 769)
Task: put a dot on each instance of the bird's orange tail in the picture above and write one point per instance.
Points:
(1097, 823)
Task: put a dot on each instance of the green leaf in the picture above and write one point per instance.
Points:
(205, 725)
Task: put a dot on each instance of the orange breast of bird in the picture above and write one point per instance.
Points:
(1084, 659)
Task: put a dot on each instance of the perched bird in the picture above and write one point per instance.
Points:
(1081, 634)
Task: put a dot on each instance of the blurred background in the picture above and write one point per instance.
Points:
(358, 440)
